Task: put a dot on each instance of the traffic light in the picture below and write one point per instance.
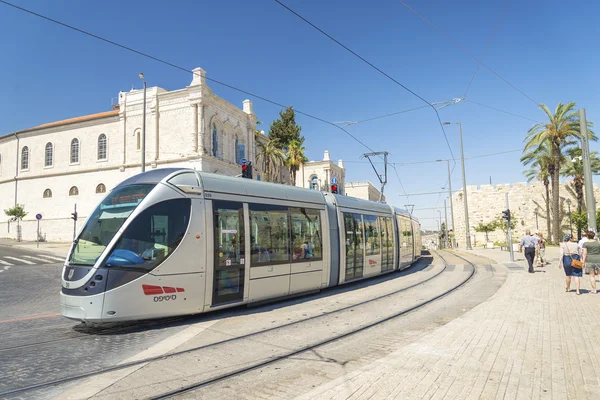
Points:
(506, 215)
(247, 170)
(74, 216)
(334, 188)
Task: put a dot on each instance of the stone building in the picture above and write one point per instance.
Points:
(486, 203)
(317, 174)
(52, 167)
(363, 190)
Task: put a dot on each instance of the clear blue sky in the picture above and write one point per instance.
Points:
(544, 47)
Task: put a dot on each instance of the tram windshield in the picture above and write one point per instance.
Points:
(105, 222)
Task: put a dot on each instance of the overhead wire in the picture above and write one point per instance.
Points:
(500, 110)
(374, 67)
(436, 161)
(468, 52)
(485, 49)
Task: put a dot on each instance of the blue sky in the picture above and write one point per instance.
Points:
(547, 50)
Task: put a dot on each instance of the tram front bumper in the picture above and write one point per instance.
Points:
(82, 308)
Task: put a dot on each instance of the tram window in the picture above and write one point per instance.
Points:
(155, 233)
(188, 179)
(306, 234)
(269, 234)
(372, 236)
(229, 233)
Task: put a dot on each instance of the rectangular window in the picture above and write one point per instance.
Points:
(269, 234)
(354, 245)
(229, 234)
(240, 152)
(306, 234)
(372, 236)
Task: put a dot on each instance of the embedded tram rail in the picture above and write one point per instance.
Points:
(255, 337)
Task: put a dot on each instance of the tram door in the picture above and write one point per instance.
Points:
(229, 262)
(354, 246)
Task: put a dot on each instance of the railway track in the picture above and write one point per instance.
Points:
(254, 335)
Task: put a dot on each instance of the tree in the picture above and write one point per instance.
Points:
(540, 162)
(295, 159)
(580, 220)
(283, 130)
(489, 227)
(272, 158)
(502, 224)
(560, 132)
(573, 166)
(16, 213)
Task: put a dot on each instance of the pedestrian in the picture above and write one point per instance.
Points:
(568, 253)
(530, 244)
(542, 244)
(591, 258)
(582, 241)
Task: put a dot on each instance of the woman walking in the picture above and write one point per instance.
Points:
(542, 243)
(568, 253)
(591, 258)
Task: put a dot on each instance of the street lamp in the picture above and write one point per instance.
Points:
(536, 220)
(143, 146)
(462, 158)
(570, 220)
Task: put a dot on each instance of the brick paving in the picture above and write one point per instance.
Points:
(530, 340)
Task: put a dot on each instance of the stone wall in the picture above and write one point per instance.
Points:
(487, 202)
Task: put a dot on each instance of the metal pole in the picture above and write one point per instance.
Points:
(462, 157)
(144, 132)
(450, 194)
(38, 235)
(446, 217)
(75, 223)
(536, 219)
(587, 172)
(510, 245)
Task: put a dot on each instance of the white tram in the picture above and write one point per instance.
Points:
(177, 241)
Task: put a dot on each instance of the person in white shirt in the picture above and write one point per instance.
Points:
(582, 241)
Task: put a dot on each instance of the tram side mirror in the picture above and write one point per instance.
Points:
(122, 258)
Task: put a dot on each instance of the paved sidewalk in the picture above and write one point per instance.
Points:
(57, 248)
(530, 340)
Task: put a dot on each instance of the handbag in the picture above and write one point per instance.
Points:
(574, 262)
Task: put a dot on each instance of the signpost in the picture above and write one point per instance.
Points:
(334, 180)
(38, 217)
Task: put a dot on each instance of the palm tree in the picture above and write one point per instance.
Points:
(560, 132)
(540, 167)
(295, 158)
(573, 166)
(271, 157)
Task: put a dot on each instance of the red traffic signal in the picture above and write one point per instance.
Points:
(334, 189)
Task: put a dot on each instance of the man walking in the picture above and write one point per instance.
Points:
(531, 245)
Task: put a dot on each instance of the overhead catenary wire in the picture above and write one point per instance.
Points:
(375, 68)
(502, 111)
(485, 49)
(436, 161)
(468, 52)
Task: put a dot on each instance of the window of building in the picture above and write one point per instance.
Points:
(25, 158)
(306, 234)
(269, 234)
(101, 188)
(215, 141)
(74, 191)
(240, 150)
(138, 139)
(102, 147)
(156, 232)
(47, 193)
(49, 155)
(314, 183)
(74, 151)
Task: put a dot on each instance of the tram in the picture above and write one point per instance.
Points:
(176, 241)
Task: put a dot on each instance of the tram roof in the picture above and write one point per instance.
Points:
(152, 176)
(360, 204)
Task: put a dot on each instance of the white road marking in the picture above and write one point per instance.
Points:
(61, 259)
(39, 259)
(5, 263)
(20, 260)
(97, 384)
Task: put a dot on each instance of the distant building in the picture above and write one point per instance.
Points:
(363, 190)
(317, 175)
(52, 167)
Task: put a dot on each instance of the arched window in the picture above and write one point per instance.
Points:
(74, 191)
(102, 147)
(47, 193)
(314, 183)
(240, 150)
(48, 155)
(138, 140)
(215, 141)
(101, 188)
(74, 151)
(25, 158)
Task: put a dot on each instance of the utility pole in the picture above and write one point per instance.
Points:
(143, 144)
(587, 172)
(446, 217)
(384, 180)
(510, 245)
